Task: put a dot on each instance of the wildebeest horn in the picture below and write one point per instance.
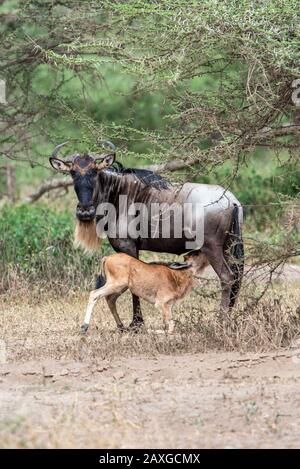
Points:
(108, 144)
(56, 149)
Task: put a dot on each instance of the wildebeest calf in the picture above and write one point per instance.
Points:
(163, 285)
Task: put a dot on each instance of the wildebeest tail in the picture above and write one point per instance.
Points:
(236, 251)
(101, 279)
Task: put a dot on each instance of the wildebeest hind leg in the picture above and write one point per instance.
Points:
(215, 257)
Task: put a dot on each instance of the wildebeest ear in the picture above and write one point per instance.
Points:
(60, 165)
(105, 161)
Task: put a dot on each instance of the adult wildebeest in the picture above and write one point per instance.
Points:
(99, 179)
(163, 285)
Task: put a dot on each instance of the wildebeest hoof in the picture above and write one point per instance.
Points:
(84, 327)
(122, 328)
(135, 326)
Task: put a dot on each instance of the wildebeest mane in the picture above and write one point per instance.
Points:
(147, 177)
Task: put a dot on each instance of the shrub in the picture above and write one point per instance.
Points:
(36, 245)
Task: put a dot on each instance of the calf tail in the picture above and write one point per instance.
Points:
(236, 254)
(101, 279)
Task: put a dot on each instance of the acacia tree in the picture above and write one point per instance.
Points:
(247, 54)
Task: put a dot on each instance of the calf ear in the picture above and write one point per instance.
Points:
(179, 265)
(60, 165)
(105, 161)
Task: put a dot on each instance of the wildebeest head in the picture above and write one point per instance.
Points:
(84, 170)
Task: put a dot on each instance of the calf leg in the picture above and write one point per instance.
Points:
(111, 302)
(105, 291)
(129, 246)
(166, 310)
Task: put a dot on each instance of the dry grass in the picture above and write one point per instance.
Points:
(40, 326)
(120, 390)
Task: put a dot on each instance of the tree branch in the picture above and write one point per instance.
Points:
(47, 186)
(171, 165)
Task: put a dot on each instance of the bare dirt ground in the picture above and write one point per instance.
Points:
(107, 389)
(202, 400)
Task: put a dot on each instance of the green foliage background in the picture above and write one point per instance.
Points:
(205, 82)
(36, 245)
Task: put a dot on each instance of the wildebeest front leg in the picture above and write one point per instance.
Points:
(137, 319)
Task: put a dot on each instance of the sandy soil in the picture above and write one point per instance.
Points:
(189, 401)
(113, 390)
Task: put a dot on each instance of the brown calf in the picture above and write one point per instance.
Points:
(161, 284)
